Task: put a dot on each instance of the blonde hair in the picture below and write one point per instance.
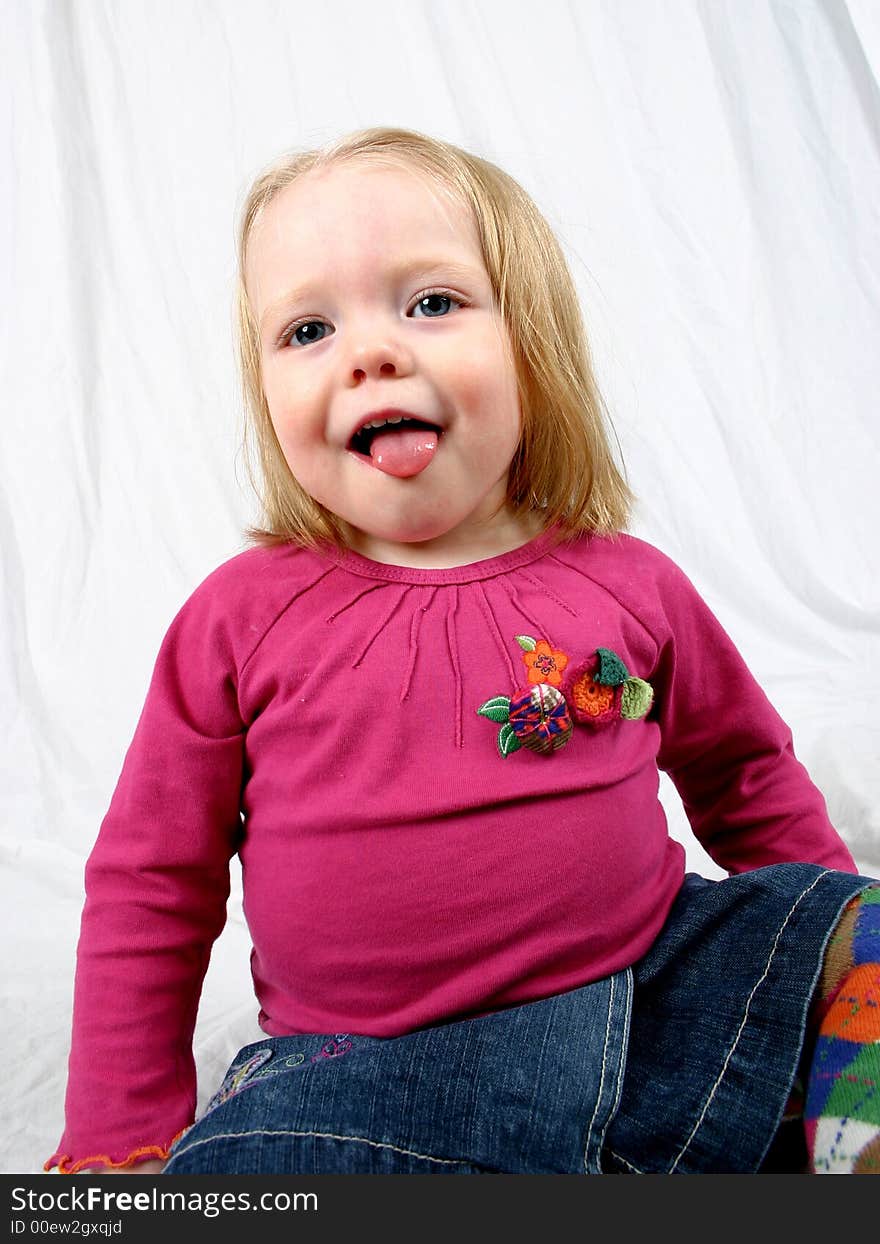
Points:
(563, 467)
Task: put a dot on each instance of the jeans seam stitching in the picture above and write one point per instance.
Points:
(618, 1088)
(601, 1077)
(745, 1016)
(625, 1162)
(365, 1140)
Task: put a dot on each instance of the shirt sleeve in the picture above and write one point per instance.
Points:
(749, 800)
(157, 882)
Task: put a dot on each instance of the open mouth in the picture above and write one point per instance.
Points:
(401, 446)
(362, 441)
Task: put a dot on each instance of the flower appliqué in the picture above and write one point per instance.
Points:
(594, 692)
(544, 663)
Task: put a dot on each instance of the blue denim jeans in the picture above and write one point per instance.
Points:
(680, 1064)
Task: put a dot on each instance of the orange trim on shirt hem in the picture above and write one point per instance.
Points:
(136, 1155)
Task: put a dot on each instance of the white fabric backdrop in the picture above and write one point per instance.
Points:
(711, 167)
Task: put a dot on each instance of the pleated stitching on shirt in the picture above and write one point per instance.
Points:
(381, 626)
(539, 628)
(456, 665)
(280, 614)
(486, 610)
(354, 600)
(607, 590)
(546, 591)
(415, 627)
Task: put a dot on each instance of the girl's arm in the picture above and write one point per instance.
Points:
(157, 882)
(138, 1168)
(748, 798)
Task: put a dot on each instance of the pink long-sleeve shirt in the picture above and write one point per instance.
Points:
(317, 713)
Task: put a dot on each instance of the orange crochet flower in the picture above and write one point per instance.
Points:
(592, 703)
(591, 697)
(545, 664)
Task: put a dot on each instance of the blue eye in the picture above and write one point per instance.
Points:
(434, 298)
(294, 333)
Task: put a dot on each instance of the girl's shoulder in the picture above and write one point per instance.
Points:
(645, 581)
(256, 566)
(623, 561)
(238, 602)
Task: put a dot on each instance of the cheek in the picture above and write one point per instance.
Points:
(293, 403)
(300, 456)
(290, 416)
(486, 384)
(285, 431)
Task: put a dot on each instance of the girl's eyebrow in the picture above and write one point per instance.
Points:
(447, 266)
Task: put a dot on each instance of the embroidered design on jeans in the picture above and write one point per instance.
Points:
(333, 1049)
(242, 1076)
(236, 1077)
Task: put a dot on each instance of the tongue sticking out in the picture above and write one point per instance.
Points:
(403, 451)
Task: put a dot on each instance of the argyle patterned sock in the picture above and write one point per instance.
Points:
(842, 1109)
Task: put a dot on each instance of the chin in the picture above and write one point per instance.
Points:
(410, 530)
(413, 535)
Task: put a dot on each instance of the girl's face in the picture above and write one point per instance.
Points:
(373, 303)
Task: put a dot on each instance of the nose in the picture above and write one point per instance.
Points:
(379, 359)
(384, 369)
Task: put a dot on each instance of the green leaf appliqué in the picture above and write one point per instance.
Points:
(636, 698)
(507, 740)
(612, 671)
(496, 709)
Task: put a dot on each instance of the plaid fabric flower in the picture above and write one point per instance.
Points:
(539, 718)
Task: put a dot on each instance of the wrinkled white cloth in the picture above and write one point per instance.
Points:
(711, 170)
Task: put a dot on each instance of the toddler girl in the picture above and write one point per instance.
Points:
(427, 711)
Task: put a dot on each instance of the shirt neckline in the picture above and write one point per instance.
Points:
(348, 559)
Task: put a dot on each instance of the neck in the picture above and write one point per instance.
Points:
(458, 547)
